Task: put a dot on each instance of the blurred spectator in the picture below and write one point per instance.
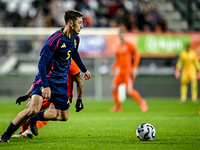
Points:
(50, 21)
(198, 3)
(134, 15)
(102, 9)
(26, 21)
(2, 13)
(89, 14)
(153, 18)
(78, 5)
(119, 17)
(130, 22)
(38, 20)
(14, 18)
(112, 8)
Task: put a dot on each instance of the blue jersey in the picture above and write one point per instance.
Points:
(55, 59)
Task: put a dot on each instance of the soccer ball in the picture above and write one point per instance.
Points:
(145, 132)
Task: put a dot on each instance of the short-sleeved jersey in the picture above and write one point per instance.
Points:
(58, 49)
(126, 57)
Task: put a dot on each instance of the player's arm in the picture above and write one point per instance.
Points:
(76, 57)
(24, 97)
(46, 54)
(46, 93)
(114, 66)
(197, 64)
(136, 61)
(79, 83)
(178, 67)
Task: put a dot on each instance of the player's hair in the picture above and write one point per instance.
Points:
(72, 15)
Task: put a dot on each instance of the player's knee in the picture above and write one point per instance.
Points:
(114, 88)
(54, 115)
(128, 91)
(32, 112)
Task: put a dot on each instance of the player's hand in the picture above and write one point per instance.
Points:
(79, 105)
(46, 93)
(21, 99)
(87, 75)
(134, 72)
(111, 73)
(198, 74)
(176, 73)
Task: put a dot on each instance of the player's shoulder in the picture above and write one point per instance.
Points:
(183, 53)
(130, 45)
(193, 51)
(54, 37)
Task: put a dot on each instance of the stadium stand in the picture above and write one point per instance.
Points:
(134, 14)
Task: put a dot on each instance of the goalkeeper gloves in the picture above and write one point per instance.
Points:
(198, 74)
(176, 73)
(79, 105)
(21, 99)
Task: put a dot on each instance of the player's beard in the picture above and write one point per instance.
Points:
(74, 30)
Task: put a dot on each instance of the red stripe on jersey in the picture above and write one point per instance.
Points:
(53, 38)
(57, 44)
(48, 75)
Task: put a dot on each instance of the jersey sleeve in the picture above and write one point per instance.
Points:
(179, 62)
(196, 61)
(46, 54)
(115, 64)
(136, 55)
(76, 57)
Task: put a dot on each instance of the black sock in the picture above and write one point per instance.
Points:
(10, 130)
(38, 116)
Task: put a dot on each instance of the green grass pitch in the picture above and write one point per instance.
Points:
(95, 128)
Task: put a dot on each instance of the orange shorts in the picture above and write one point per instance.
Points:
(122, 78)
(45, 104)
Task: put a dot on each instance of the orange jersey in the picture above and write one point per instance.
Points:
(126, 58)
(74, 69)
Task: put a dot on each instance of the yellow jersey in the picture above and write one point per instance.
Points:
(188, 60)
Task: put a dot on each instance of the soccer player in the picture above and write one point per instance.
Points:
(51, 80)
(74, 75)
(188, 62)
(126, 64)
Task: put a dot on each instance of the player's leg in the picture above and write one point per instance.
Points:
(135, 95)
(118, 79)
(184, 86)
(33, 109)
(194, 90)
(21, 118)
(60, 112)
(45, 105)
(24, 126)
(26, 132)
(50, 114)
(29, 134)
